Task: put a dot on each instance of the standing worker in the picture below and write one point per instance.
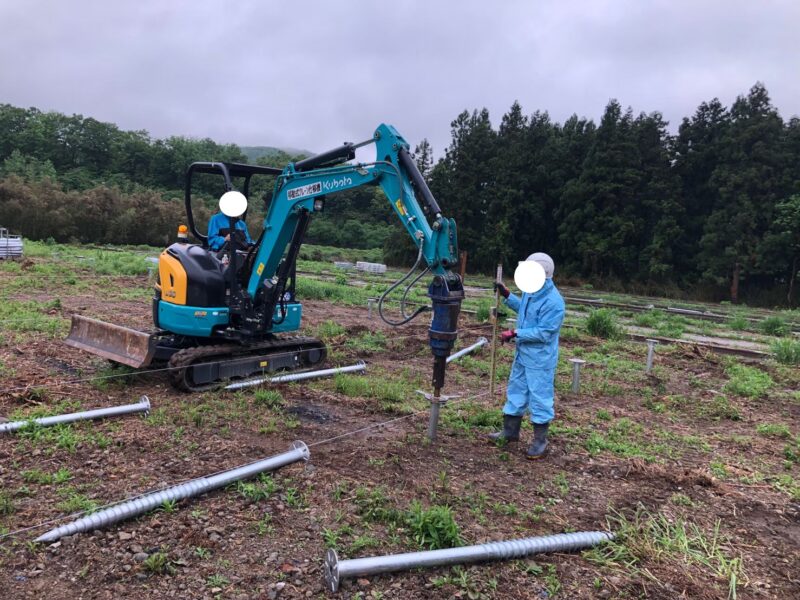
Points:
(531, 384)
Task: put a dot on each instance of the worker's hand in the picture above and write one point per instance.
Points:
(499, 287)
(508, 335)
(228, 238)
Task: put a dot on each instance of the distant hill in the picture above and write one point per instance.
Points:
(253, 153)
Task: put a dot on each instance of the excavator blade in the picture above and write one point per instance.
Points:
(120, 344)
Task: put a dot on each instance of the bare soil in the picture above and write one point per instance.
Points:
(273, 548)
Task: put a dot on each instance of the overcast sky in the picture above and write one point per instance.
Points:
(312, 74)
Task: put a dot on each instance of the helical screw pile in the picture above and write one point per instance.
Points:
(335, 570)
(195, 487)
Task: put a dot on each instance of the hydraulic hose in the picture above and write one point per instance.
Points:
(395, 285)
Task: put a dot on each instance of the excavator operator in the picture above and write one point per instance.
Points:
(219, 232)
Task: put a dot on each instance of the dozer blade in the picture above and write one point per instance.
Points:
(120, 344)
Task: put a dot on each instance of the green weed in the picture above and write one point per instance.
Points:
(603, 323)
(434, 527)
(775, 325)
(774, 430)
(217, 581)
(646, 538)
(270, 398)
(330, 329)
(159, 563)
(786, 351)
(747, 381)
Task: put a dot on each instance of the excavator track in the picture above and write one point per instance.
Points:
(209, 367)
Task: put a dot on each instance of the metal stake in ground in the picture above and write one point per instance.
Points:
(437, 401)
(651, 349)
(576, 374)
(336, 570)
(499, 279)
(195, 487)
(143, 406)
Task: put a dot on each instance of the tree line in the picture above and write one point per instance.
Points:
(713, 209)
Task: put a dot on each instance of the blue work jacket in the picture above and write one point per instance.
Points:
(539, 318)
(219, 222)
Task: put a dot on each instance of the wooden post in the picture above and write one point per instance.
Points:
(462, 256)
(494, 330)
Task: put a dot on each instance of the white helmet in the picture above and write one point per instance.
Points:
(547, 263)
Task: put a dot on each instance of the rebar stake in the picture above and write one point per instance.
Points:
(651, 350)
(335, 570)
(576, 374)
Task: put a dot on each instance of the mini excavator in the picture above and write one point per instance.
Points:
(228, 315)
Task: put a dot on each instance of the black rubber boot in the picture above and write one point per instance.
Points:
(510, 433)
(539, 446)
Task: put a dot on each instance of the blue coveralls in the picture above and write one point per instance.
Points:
(531, 384)
(220, 221)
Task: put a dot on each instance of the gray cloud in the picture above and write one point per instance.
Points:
(312, 74)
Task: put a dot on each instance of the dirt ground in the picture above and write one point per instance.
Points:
(628, 444)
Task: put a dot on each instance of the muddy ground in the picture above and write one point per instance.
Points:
(644, 451)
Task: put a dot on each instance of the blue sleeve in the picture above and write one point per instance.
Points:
(512, 302)
(215, 240)
(550, 319)
(246, 233)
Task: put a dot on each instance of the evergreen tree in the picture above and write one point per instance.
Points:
(751, 177)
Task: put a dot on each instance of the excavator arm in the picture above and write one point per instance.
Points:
(303, 187)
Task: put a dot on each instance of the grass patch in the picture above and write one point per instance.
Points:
(330, 329)
(719, 408)
(645, 539)
(786, 351)
(270, 398)
(603, 323)
(624, 438)
(774, 430)
(775, 325)
(747, 381)
(390, 393)
(36, 476)
(368, 342)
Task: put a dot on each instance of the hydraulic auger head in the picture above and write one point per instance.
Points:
(446, 295)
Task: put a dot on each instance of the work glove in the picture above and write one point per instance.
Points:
(508, 335)
(499, 287)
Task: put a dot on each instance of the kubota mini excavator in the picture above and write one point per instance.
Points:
(219, 316)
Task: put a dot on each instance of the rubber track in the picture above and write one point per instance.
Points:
(182, 359)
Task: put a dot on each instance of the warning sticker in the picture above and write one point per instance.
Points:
(304, 190)
(401, 209)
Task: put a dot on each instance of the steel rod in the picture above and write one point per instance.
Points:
(143, 406)
(651, 348)
(576, 374)
(336, 570)
(360, 366)
(194, 487)
(433, 420)
(482, 341)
